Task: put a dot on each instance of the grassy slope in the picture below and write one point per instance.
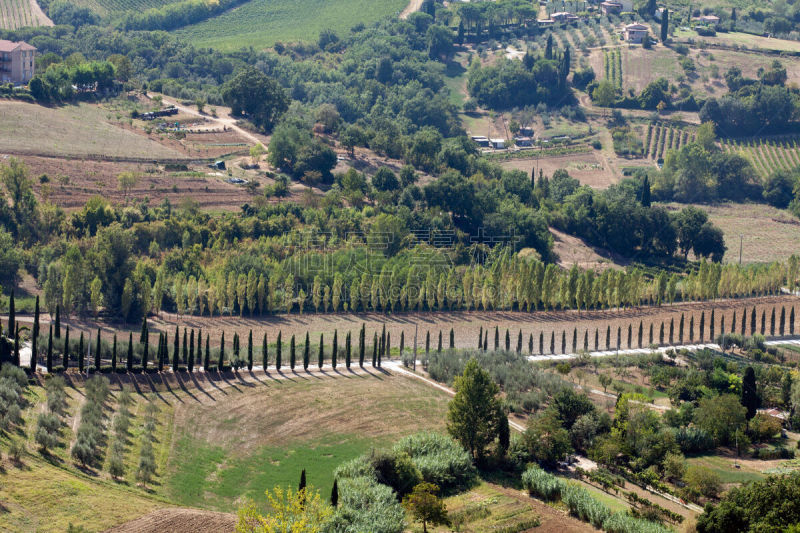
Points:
(115, 7)
(261, 23)
(71, 130)
(242, 444)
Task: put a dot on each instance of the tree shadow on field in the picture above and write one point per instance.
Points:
(198, 386)
(179, 378)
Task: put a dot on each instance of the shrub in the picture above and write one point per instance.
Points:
(542, 484)
(764, 427)
(439, 459)
(365, 505)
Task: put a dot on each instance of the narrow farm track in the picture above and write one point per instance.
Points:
(413, 6)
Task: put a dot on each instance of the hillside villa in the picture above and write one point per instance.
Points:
(16, 62)
(634, 33)
(611, 7)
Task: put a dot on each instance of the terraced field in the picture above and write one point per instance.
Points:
(20, 13)
(660, 138)
(767, 155)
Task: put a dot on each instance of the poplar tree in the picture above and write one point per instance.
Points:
(347, 351)
(114, 355)
(97, 352)
(65, 361)
(278, 349)
(49, 361)
(264, 353)
(292, 353)
(81, 354)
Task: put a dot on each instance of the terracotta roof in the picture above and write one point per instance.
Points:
(9, 46)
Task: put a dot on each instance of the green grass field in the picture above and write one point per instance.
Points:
(114, 7)
(262, 23)
(723, 466)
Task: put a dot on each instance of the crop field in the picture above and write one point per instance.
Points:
(20, 13)
(262, 23)
(612, 66)
(768, 233)
(115, 7)
(75, 130)
(767, 155)
(641, 66)
(588, 168)
(660, 138)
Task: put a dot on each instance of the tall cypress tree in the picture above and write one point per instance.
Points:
(763, 322)
(361, 345)
(721, 326)
(519, 342)
(374, 349)
(496, 338)
(250, 350)
(680, 330)
(81, 348)
(207, 359)
(335, 494)
(563, 341)
(661, 334)
(586, 340)
(530, 343)
(335, 348)
(129, 361)
(160, 355)
(15, 356)
(114, 355)
(508, 341)
(439, 346)
(347, 351)
(321, 351)
(691, 328)
(35, 336)
(185, 347)
(306, 353)
(619, 337)
(278, 350)
(574, 339)
(541, 343)
(750, 399)
(49, 361)
(608, 337)
(427, 342)
(165, 351)
(453, 338)
(221, 362)
(772, 323)
(672, 330)
(58, 321)
(702, 325)
(744, 321)
(143, 333)
(292, 353)
(480, 338)
(650, 341)
(641, 333)
(733, 322)
(12, 316)
(65, 361)
(190, 361)
(264, 353)
(389, 344)
(553, 342)
(176, 349)
(146, 352)
(665, 25)
(97, 352)
(402, 343)
(753, 322)
(782, 326)
(791, 321)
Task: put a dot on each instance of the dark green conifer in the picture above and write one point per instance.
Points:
(65, 361)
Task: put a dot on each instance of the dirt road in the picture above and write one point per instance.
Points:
(413, 5)
(224, 119)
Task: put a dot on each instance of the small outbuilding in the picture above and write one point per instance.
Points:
(635, 33)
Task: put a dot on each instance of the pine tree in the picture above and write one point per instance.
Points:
(292, 353)
(453, 338)
(35, 336)
(221, 361)
(278, 349)
(129, 360)
(97, 352)
(347, 350)
(114, 355)
(81, 354)
(58, 322)
(65, 361)
(49, 361)
(264, 353)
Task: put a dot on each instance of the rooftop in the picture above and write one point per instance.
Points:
(10, 46)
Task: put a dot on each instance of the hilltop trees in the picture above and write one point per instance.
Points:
(257, 95)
